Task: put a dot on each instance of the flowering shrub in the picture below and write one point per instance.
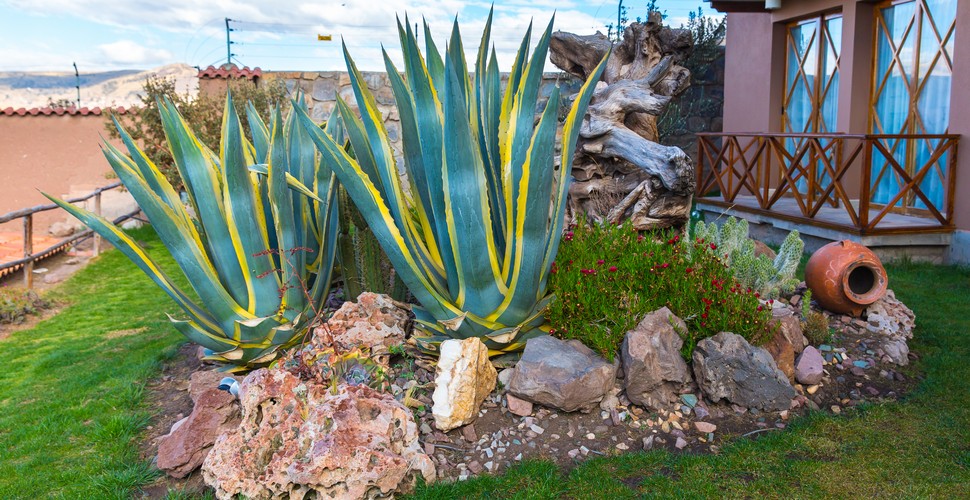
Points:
(606, 278)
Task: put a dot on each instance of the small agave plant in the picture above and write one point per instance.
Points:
(475, 233)
(259, 249)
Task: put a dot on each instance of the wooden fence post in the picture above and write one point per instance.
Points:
(28, 250)
(97, 237)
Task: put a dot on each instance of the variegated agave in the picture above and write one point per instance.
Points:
(260, 247)
(475, 235)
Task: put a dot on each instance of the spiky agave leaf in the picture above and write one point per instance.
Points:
(260, 250)
(475, 238)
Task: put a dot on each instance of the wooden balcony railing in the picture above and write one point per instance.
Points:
(866, 184)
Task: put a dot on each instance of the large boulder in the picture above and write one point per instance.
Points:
(561, 374)
(892, 324)
(183, 450)
(375, 321)
(727, 367)
(654, 371)
(465, 377)
(301, 440)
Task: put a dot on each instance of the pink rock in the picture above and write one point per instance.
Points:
(518, 406)
(298, 438)
(183, 449)
(809, 367)
(375, 321)
(705, 427)
(205, 380)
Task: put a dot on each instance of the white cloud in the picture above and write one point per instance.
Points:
(129, 53)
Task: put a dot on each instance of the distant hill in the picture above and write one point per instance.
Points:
(20, 89)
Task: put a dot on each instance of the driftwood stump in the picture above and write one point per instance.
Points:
(619, 171)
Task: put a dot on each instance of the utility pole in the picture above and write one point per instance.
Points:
(228, 43)
(619, 19)
(77, 85)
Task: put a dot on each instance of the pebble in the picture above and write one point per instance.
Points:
(584, 450)
(836, 409)
(872, 390)
(811, 389)
(681, 443)
(488, 452)
(705, 427)
(601, 429)
(648, 443)
(518, 457)
(689, 399)
(571, 453)
(475, 467)
(536, 429)
(490, 465)
(591, 436)
(425, 428)
(701, 412)
(622, 447)
(468, 432)
(861, 364)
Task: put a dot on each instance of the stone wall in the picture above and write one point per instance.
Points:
(699, 109)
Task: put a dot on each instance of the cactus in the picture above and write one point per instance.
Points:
(731, 243)
(363, 264)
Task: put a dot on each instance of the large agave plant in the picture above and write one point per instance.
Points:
(259, 243)
(475, 235)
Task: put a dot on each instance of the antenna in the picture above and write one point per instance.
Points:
(228, 42)
(77, 81)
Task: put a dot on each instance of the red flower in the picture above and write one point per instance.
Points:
(713, 246)
(613, 269)
(688, 270)
(639, 238)
(600, 262)
(568, 236)
(761, 308)
(704, 315)
(665, 265)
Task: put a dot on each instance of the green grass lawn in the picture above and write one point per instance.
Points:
(72, 387)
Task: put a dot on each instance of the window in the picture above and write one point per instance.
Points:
(911, 92)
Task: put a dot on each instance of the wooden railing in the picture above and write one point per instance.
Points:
(30, 256)
(843, 171)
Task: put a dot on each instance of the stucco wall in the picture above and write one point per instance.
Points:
(755, 73)
(59, 155)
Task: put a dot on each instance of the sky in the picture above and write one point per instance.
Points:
(278, 35)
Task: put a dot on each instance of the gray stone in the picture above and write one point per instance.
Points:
(655, 371)
(324, 89)
(727, 367)
(564, 375)
(808, 369)
(892, 324)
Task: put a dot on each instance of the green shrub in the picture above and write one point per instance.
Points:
(606, 278)
(16, 304)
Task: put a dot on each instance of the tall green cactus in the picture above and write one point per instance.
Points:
(758, 272)
(363, 264)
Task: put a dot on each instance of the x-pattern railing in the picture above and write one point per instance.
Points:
(836, 170)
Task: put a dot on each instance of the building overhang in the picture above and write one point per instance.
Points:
(744, 5)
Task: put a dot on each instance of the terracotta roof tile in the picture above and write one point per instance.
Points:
(71, 111)
(231, 72)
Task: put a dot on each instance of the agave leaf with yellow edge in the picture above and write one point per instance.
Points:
(259, 250)
(475, 231)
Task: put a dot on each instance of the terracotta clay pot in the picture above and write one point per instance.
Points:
(845, 277)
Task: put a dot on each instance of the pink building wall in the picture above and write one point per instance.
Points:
(755, 75)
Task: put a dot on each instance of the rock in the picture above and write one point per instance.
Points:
(564, 375)
(518, 406)
(892, 324)
(375, 321)
(705, 427)
(727, 367)
(611, 400)
(681, 443)
(62, 229)
(183, 450)
(790, 328)
(761, 249)
(299, 438)
(202, 381)
(655, 371)
(465, 377)
(782, 351)
(505, 376)
(689, 400)
(809, 369)
(648, 443)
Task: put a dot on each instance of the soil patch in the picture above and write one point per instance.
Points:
(169, 401)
